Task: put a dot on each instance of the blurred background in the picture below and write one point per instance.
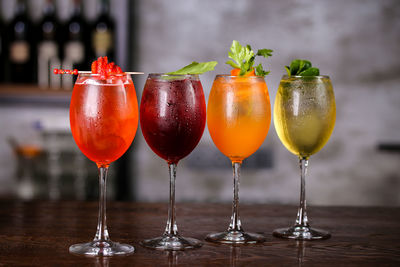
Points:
(355, 42)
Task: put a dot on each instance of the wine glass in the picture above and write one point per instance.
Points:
(172, 118)
(238, 119)
(104, 119)
(304, 117)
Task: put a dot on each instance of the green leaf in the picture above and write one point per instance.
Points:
(247, 66)
(233, 64)
(242, 56)
(247, 54)
(264, 52)
(260, 71)
(301, 67)
(310, 72)
(294, 66)
(287, 68)
(196, 68)
(236, 52)
(304, 65)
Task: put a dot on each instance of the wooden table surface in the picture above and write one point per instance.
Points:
(39, 234)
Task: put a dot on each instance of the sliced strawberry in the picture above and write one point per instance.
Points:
(118, 70)
(100, 67)
(105, 69)
(100, 64)
(94, 67)
(110, 67)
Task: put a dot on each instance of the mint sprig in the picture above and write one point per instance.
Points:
(243, 58)
(195, 68)
(301, 67)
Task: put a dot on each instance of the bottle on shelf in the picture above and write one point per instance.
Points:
(20, 47)
(103, 32)
(75, 44)
(2, 65)
(48, 47)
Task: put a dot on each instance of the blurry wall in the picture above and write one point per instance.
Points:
(355, 42)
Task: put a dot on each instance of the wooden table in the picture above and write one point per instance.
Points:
(39, 234)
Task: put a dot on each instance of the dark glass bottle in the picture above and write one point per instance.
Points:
(76, 42)
(47, 45)
(20, 47)
(2, 52)
(103, 33)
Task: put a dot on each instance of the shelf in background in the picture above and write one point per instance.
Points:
(33, 95)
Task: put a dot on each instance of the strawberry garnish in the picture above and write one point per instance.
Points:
(105, 69)
(99, 66)
(94, 67)
(110, 68)
(117, 69)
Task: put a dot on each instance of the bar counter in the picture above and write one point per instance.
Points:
(39, 234)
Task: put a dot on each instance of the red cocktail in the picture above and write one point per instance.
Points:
(104, 118)
(172, 117)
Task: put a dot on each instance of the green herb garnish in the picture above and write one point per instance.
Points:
(196, 68)
(243, 58)
(301, 67)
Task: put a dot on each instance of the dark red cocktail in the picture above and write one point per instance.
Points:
(172, 115)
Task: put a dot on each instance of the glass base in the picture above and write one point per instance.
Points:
(101, 248)
(235, 237)
(171, 243)
(301, 233)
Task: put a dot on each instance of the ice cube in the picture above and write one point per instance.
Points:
(93, 81)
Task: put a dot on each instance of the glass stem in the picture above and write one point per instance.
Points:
(235, 224)
(301, 219)
(171, 229)
(102, 232)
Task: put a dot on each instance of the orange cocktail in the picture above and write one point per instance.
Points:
(103, 116)
(238, 115)
(238, 119)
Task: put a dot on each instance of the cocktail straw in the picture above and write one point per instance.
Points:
(128, 72)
